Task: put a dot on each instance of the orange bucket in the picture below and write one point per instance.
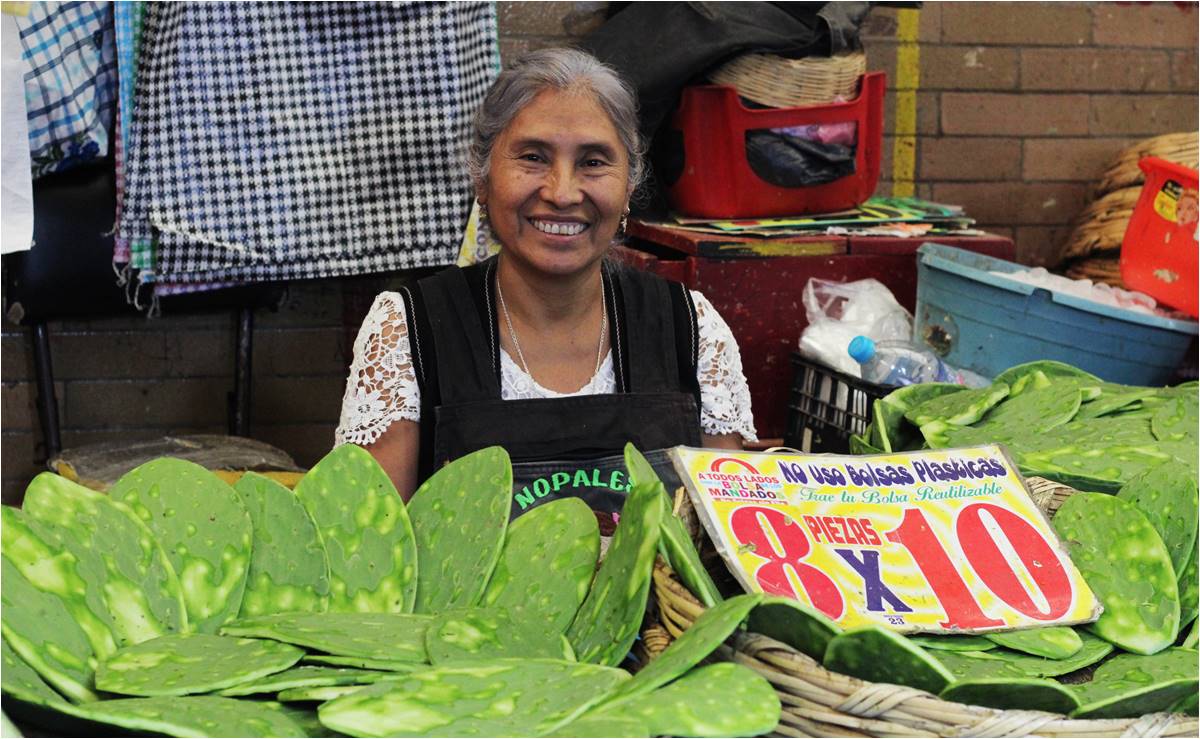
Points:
(1159, 251)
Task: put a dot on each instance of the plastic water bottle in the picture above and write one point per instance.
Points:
(899, 363)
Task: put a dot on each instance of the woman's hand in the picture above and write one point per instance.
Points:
(396, 451)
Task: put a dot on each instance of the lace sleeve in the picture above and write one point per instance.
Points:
(382, 386)
(724, 394)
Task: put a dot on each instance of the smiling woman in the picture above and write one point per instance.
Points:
(547, 349)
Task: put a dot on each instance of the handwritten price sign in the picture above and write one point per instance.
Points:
(935, 541)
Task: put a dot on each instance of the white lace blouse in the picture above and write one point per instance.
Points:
(382, 386)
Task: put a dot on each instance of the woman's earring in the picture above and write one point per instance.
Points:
(624, 224)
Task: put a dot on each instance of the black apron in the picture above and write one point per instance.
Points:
(560, 447)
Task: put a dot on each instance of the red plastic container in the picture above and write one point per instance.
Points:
(717, 181)
(1159, 251)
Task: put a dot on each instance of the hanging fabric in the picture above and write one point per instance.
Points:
(280, 141)
(71, 83)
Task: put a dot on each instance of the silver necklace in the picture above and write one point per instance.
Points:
(517, 343)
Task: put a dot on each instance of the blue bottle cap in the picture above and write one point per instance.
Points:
(861, 349)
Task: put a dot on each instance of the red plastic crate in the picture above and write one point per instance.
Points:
(1159, 251)
(717, 180)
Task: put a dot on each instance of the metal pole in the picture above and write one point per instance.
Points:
(47, 401)
(239, 422)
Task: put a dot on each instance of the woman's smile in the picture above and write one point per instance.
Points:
(552, 227)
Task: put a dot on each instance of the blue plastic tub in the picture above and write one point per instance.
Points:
(988, 323)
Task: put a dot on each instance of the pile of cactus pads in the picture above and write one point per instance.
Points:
(177, 604)
(1132, 532)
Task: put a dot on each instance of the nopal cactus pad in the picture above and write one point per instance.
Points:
(459, 516)
(38, 626)
(387, 636)
(288, 567)
(478, 635)
(203, 527)
(201, 715)
(718, 700)
(1168, 495)
(608, 621)
(131, 583)
(881, 656)
(1005, 663)
(1126, 564)
(1019, 693)
(1052, 642)
(709, 631)
(500, 698)
(796, 624)
(547, 563)
(22, 682)
(1132, 685)
(365, 530)
(183, 664)
(306, 676)
(953, 643)
(676, 545)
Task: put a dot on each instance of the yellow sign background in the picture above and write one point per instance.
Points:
(720, 483)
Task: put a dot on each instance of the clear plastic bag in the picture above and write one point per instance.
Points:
(839, 311)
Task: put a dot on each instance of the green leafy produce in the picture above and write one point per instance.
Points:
(388, 636)
(201, 715)
(22, 682)
(547, 564)
(525, 697)
(39, 628)
(484, 635)
(1113, 398)
(1052, 642)
(674, 542)
(963, 643)
(1005, 663)
(459, 517)
(1126, 564)
(1013, 693)
(958, 409)
(183, 664)
(860, 446)
(889, 430)
(320, 693)
(1189, 704)
(796, 624)
(608, 621)
(365, 530)
(131, 584)
(1177, 419)
(1131, 685)
(1189, 585)
(306, 676)
(203, 527)
(603, 726)
(709, 631)
(55, 570)
(879, 655)
(1033, 412)
(718, 700)
(1019, 376)
(1168, 496)
(288, 567)
(363, 663)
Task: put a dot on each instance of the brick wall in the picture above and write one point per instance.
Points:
(1020, 108)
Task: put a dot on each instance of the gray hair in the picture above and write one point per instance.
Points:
(554, 69)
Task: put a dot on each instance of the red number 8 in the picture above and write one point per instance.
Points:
(749, 525)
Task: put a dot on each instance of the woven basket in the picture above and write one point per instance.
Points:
(1182, 148)
(779, 82)
(1099, 267)
(817, 702)
(1101, 226)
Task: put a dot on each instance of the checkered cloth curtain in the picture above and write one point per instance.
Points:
(280, 141)
(71, 84)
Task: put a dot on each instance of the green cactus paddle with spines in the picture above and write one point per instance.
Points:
(546, 565)
(459, 516)
(1131, 685)
(386, 636)
(482, 635)
(288, 567)
(202, 525)
(184, 664)
(365, 530)
(877, 655)
(1168, 496)
(1051, 642)
(1126, 564)
(607, 623)
(131, 583)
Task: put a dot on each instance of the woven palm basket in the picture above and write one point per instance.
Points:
(779, 82)
(817, 702)
(1101, 266)
(1182, 148)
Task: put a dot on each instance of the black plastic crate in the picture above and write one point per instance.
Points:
(826, 407)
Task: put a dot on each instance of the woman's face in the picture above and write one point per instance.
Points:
(558, 183)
